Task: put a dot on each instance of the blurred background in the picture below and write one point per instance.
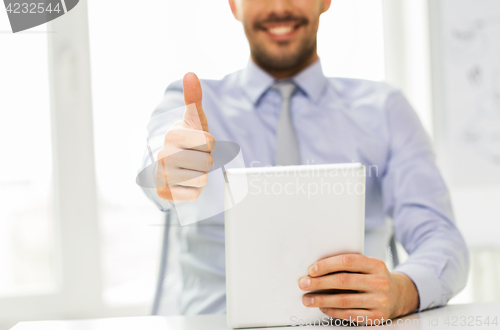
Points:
(79, 239)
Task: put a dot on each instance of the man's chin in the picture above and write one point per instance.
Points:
(284, 56)
(281, 61)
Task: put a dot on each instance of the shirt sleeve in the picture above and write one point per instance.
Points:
(170, 110)
(418, 201)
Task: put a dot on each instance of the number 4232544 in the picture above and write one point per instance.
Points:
(454, 321)
(32, 8)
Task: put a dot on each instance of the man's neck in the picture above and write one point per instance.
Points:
(284, 74)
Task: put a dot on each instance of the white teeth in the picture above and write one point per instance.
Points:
(281, 30)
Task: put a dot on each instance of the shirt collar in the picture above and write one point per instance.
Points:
(255, 81)
(311, 81)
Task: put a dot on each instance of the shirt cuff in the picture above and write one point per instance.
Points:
(428, 285)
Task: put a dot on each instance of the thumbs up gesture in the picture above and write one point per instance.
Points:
(185, 159)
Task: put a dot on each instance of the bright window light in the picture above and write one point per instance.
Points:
(26, 225)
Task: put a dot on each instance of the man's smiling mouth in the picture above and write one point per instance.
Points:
(282, 30)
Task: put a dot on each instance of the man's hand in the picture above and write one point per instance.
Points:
(184, 160)
(379, 294)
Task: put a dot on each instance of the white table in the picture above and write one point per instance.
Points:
(432, 319)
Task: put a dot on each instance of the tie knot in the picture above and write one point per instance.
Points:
(286, 89)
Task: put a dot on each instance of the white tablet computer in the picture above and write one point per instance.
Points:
(289, 218)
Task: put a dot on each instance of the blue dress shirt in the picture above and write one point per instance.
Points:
(337, 120)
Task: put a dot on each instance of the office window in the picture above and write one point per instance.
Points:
(26, 237)
(134, 58)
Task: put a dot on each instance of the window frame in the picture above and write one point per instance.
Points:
(78, 264)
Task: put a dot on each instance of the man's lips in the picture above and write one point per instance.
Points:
(281, 31)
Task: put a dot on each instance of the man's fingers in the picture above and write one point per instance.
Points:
(189, 159)
(352, 300)
(363, 316)
(186, 138)
(179, 193)
(342, 281)
(355, 263)
(194, 115)
(186, 178)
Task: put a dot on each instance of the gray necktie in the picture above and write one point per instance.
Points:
(287, 148)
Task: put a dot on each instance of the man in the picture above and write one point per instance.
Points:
(283, 93)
